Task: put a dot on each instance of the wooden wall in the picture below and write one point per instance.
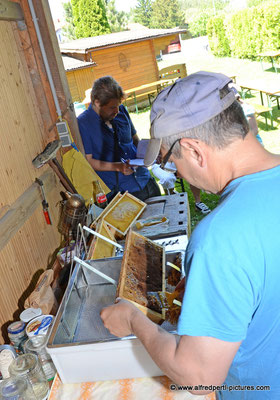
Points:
(131, 65)
(79, 81)
(161, 43)
(27, 124)
(32, 242)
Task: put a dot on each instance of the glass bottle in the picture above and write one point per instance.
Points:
(27, 366)
(99, 195)
(16, 388)
(37, 345)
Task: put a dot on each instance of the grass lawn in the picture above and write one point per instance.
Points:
(197, 58)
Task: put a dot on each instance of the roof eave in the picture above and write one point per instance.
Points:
(90, 49)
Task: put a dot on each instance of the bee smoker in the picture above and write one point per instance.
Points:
(73, 213)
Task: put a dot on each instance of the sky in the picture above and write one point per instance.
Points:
(57, 8)
(125, 5)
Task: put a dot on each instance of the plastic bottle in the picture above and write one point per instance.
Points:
(99, 195)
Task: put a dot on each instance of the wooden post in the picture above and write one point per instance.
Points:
(38, 73)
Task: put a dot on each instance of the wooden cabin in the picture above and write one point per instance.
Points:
(129, 56)
(28, 122)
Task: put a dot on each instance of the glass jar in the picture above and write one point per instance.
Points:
(16, 388)
(37, 345)
(27, 366)
(17, 335)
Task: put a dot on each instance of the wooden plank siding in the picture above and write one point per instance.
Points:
(79, 81)
(22, 133)
(131, 65)
(161, 43)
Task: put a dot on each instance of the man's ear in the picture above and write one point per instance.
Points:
(195, 149)
(96, 105)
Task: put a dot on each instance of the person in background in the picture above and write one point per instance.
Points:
(167, 179)
(229, 327)
(110, 141)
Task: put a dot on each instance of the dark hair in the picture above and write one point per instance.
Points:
(105, 89)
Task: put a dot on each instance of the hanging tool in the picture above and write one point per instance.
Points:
(48, 155)
(44, 202)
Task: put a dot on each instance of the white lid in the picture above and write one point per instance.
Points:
(30, 313)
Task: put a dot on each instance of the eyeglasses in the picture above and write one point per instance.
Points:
(168, 154)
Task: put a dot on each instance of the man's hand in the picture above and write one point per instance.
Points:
(125, 168)
(118, 317)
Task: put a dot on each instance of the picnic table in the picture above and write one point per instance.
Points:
(155, 87)
(272, 91)
(272, 54)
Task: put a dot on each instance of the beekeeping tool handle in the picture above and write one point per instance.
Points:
(44, 202)
(103, 237)
(91, 268)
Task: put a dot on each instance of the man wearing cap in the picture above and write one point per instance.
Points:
(229, 326)
(110, 140)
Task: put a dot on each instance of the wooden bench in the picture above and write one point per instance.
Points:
(263, 110)
(173, 72)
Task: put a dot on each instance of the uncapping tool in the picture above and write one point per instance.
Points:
(44, 202)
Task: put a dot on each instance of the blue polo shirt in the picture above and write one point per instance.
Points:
(99, 141)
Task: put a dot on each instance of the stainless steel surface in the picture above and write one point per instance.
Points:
(78, 319)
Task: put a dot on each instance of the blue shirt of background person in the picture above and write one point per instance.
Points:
(104, 150)
(232, 289)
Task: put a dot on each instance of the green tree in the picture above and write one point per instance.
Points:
(203, 4)
(198, 22)
(117, 20)
(143, 12)
(253, 3)
(69, 28)
(89, 18)
(166, 14)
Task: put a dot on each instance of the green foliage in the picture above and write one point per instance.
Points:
(203, 4)
(217, 38)
(143, 12)
(253, 3)
(198, 23)
(247, 32)
(89, 18)
(166, 14)
(117, 20)
(241, 31)
(69, 28)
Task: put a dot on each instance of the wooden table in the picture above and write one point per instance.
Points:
(272, 54)
(270, 90)
(160, 84)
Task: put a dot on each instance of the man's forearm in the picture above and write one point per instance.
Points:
(160, 344)
(98, 165)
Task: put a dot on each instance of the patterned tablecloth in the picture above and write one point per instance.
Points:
(157, 388)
